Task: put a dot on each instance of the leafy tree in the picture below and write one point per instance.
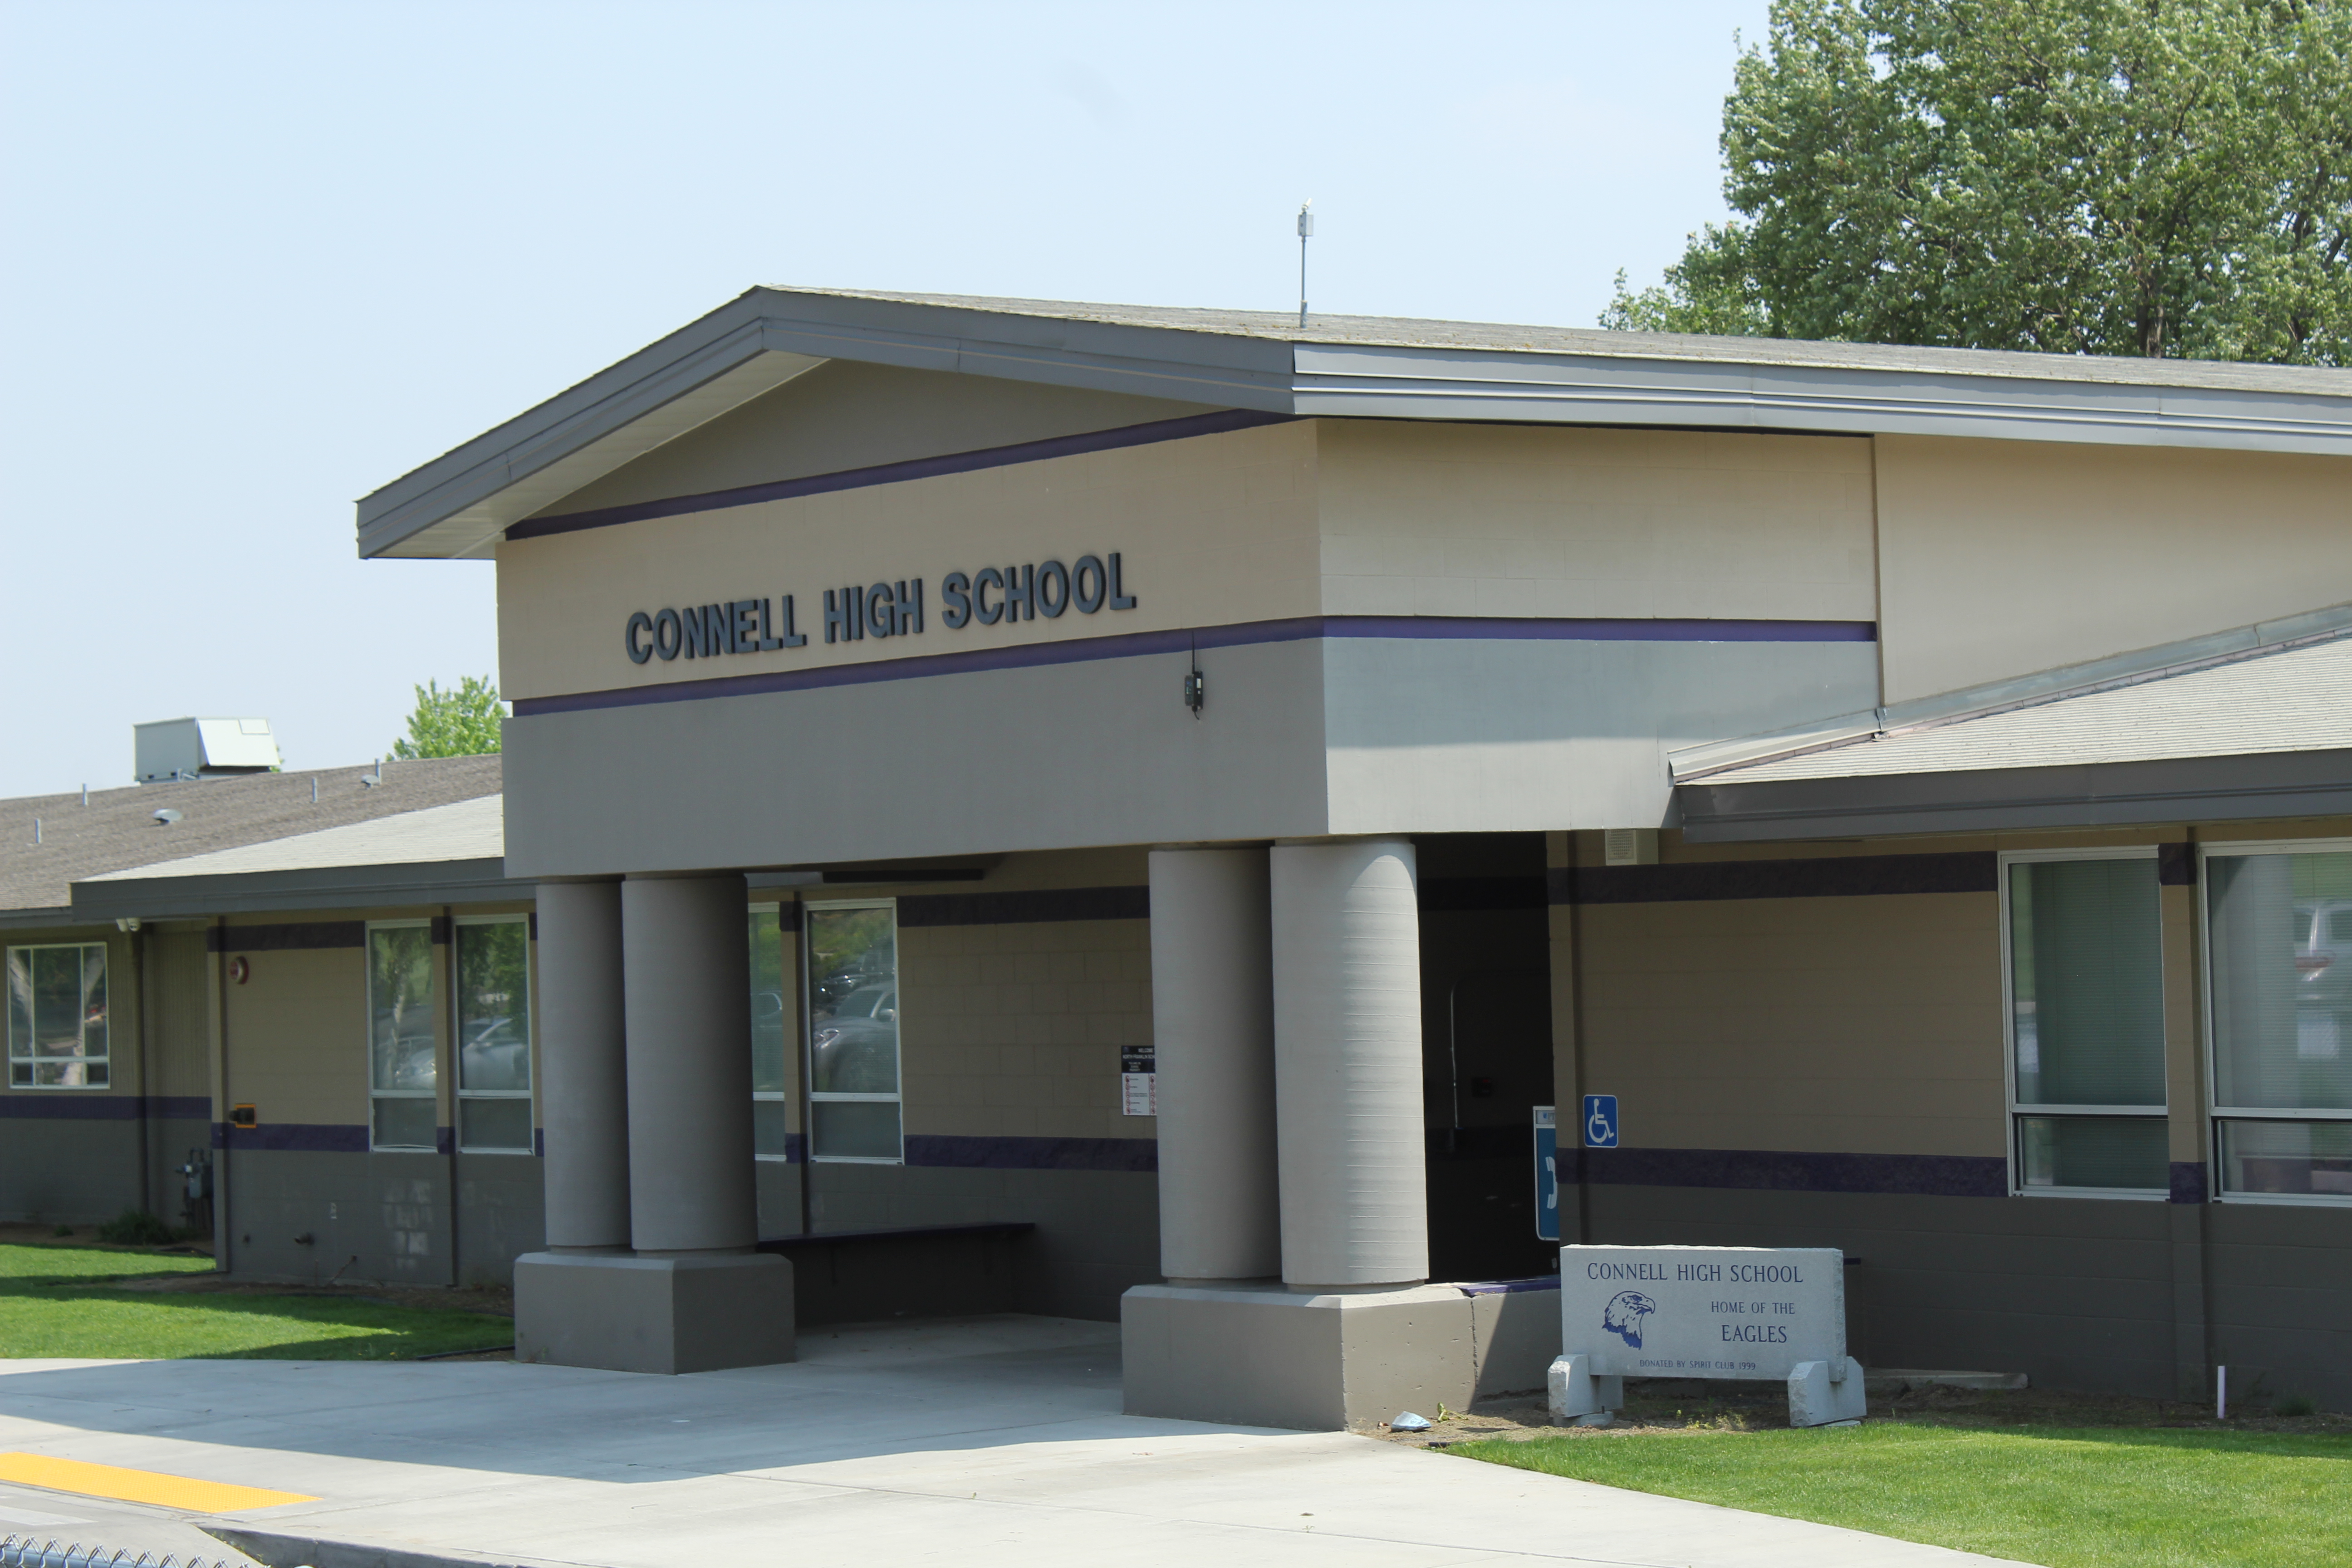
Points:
(459, 724)
(2153, 177)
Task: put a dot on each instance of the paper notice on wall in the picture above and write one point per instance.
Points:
(1139, 1094)
(1139, 1084)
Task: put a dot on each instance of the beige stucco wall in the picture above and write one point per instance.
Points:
(1475, 519)
(296, 1034)
(1212, 531)
(2001, 558)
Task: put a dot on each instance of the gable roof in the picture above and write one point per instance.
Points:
(1351, 366)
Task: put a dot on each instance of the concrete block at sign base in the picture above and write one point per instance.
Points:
(1570, 1391)
(624, 1313)
(1821, 1392)
(1269, 1356)
(1517, 1338)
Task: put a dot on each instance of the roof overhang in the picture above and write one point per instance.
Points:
(2243, 787)
(1354, 367)
(310, 888)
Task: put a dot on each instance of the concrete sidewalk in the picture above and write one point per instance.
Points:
(982, 1441)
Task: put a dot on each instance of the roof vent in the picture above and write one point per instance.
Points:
(202, 749)
(167, 817)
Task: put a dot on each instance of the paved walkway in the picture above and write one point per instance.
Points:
(977, 1442)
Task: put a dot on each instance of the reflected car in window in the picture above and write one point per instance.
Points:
(856, 1048)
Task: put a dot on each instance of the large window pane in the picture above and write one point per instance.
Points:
(400, 1005)
(2087, 980)
(2311, 1159)
(2282, 979)
(767, 1005)
(853, 1001)
(855, 1130)
(57, 1016)
(494, 1007)
(2115, 1152)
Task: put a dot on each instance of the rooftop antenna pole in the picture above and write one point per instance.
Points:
(1305, 232)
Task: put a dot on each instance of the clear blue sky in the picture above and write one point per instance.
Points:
(261, 259)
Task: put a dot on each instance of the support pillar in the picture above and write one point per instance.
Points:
(583, 1088)
(1351, 1334)
(692, 1295)
(1212, 1035)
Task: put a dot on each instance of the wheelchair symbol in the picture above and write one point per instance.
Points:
(1600, 1121)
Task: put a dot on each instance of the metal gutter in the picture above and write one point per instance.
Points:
(477, 881)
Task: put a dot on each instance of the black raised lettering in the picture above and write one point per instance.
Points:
(1020, 593)
(1052, 589)
(910, 605)
(638, 651)
(881, 607)
(791, 637)
(667, 635)
(1087, 599)
(955, 600)
(988, 615)
(1120, 599)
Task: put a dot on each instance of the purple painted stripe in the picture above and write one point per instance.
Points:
(2188, 1183)
(1144, 435)
(1830, 876)
(1135, 645)
(1033, 1154)
(291, 937)
(1028, 907)
(294, 1136)
(96, 1105)
(1926, 1175)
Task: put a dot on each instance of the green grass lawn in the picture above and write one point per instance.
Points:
(2065, 1497)
(67, 1302)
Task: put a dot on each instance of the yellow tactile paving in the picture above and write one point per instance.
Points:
(138, 1486)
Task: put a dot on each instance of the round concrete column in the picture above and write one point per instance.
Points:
(583, 1071)
(1347, 1052)
(687, 966)
(1212, 1032)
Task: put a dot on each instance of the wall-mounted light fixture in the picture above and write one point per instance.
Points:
(1196, 691)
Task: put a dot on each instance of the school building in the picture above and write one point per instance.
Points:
(1127, 813)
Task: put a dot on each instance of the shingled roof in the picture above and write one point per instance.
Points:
(118, 830)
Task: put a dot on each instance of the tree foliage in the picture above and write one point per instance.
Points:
(2149, 177)
(463, 722)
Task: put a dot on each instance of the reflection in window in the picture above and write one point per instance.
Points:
(853, 1007)
(2087, 1024)
(2279, 927)
(402, 1063)
(769, 1079)
(57, 1016)
(493, 969)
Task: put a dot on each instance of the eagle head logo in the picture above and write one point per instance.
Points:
(1624, 1315)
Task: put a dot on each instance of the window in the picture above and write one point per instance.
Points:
(2087, 1022)
(2278, 943)
(768, 1086)
(57, 1016)
(403, 1066)
(493, 968)
(853, 1011)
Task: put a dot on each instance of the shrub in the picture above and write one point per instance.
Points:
(2294, 1404)
(136, 1227)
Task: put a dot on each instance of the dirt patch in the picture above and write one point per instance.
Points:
(1658, 1407)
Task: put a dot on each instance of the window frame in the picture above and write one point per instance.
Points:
(2019, 1113)
(459, 1092)
(104, 1059)
(367, 1040)
(2216, 1112)
(815, 1097)
(783, 1096)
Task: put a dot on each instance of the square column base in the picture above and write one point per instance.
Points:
(1268, 1356)
(652, 1314)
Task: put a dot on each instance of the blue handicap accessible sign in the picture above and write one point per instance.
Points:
(1546, 1175)
(1600, 1121)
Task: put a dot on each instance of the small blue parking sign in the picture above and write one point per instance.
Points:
(1546, 1175)
(1600, 1121)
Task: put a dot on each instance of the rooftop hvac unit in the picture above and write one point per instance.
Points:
(202, 749)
